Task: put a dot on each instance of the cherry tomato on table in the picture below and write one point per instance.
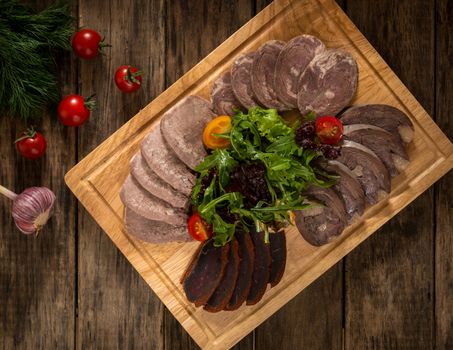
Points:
(87, 43)
(31, 144)
(198, 228)
(74, 110)
(128, 79)
(329, 129)
(219, 125)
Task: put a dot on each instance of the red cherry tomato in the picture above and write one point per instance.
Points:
(87, 43)
(329, 129)
(128, 78)
(74, 110)
(31, 144)
(198, 228)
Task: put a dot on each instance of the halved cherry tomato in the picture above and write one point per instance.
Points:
(198, 228)
(219, 125)
(329, 129)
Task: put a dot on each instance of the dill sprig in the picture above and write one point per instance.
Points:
(28, 42)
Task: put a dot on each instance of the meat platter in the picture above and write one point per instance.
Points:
(97, 180)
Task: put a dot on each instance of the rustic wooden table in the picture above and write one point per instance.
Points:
(72, 288)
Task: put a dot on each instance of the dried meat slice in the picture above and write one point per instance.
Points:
(182, 128)
(162, 161)
(153, 231)
(149, 180)
(205, 272)
(223, 99)
(224, 290)
(261, 272)
(328, 83)
(241, 80)
(145, 204)
(263, 69)
(291, 62)
(277, 243)
(244, 280)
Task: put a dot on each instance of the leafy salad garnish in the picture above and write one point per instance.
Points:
(262, 143)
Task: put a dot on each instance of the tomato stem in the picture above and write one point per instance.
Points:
(132, 77)
(102, 46)
(29, 133)
(90, 102)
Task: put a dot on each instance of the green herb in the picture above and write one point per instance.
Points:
(258, 136)
(28, 41)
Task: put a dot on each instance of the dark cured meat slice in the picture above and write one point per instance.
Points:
(241, 79)
(149, 180)
(223, 99)
(386, 117)
(152, 231)
(244, 280)
(142, 202)
(205, 272)
(291, 62)
(260, 276)
(320, 224)
(348, 187)
(161, 159)
(182, 128)
(370, 171)
(225, 289)
(277, 243)
(263, 77)
(328, 83)
(388, 147)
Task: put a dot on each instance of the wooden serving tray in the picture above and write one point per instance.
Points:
(97, 179)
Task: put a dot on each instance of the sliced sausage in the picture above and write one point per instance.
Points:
(328, 83)
(277, 243)
(241, 79)
(291, 62)
(182, 128)
(223, 99)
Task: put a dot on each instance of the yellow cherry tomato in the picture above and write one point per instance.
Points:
(219, 125)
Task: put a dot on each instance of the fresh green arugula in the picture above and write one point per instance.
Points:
(259, 135)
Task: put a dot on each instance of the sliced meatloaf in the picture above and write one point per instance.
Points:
(142, 202)
(292, 61)
(149, 180)
(162, 161)
(153, 231)
(182, 128)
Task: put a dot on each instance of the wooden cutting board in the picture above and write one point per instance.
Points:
(97, 179)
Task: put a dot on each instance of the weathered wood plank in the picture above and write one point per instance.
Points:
(37, 275)
(389, 278)
(443, 189)
(192, 33)
(117, 310)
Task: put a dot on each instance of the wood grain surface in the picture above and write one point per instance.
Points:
(72, 288)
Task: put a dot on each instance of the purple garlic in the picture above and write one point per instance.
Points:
(31, 209)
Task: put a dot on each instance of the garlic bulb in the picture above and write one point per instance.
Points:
(31, 209)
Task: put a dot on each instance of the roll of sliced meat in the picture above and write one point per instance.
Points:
(328, 84)
(241, 80)
(223, 99)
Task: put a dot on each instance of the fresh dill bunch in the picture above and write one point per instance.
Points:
(28, 42)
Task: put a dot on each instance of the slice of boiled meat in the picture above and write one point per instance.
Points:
(386, 117)
(149, 180)
(152, 231)
(277, 243)
(328, 83)
(324, 221)
(261, 269)
(263, 70)
(205, 272)
(348, 187)
(219, 299)
(182, 128)
(291, 62)
(161, 159)
(388, 147)
(223, 99)
(368, 168)
(244, 280)
(142, 202)
(241, 79)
